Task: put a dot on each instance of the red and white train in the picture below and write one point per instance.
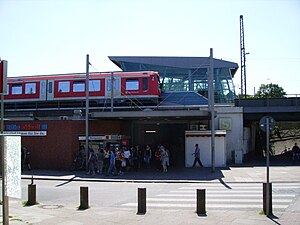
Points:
(127, 87)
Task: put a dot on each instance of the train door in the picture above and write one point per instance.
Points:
(116, 87)
(50, 89)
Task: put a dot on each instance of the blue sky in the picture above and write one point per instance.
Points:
(54, 36)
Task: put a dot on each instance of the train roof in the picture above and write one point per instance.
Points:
(81, 75)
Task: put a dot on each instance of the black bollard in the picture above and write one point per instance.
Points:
(141, 201)
(31, 194)
(265, 198)
(201, 202)
(84, 198)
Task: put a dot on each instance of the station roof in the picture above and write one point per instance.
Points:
(175, 62)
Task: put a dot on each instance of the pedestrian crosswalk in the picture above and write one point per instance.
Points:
(244, 196)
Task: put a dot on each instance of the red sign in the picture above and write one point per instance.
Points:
(3, 76)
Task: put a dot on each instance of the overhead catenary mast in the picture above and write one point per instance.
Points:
(243, 59)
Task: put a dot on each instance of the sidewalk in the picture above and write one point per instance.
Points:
(66, 215)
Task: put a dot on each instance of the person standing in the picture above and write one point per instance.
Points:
(197, 156)
(296, 152)
(27, 158)
(164, 159)
(100, 161)
(147, 156)
(112, 166)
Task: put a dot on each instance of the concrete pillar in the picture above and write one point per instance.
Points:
(141, 201)
(84, 198)
(201, 202)
(31, 194)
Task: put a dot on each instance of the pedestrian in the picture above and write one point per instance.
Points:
(197, 156)
(147, 156)
(157, 156)
(135, 158)
(296, 152)
(106, 158)
(164, 159)
(112, 166)
(27, 160)
(127, 156)
(92, 161)
(100, 161)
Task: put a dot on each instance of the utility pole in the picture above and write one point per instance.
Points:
(243, 59)
(87, 77)
(212, 109)
(5, 199)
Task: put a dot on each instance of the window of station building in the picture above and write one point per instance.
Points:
(132, 85)
(64, 86)
(30, 88)
(145, 83)
(16, 89)
(94, 85)
(78, 86)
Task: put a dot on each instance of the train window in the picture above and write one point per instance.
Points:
(64, 86)
(50, 86)
(16, 89)
(78, 86)
(30, 88)
(116, 84)
(94, 85)
(145, 83)
(132, 85)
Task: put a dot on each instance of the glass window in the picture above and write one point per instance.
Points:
(132, 85)
(16, 89)
(116, 85)
(64, 86)
(108, 85)
(145, 83)
(78, 86)
(30, 88)
(50, 86)
(94, 85)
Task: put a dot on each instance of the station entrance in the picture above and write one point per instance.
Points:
(168, 134)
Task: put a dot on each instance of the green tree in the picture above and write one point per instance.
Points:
(270, 91)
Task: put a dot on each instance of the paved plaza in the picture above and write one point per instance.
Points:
(281, 176)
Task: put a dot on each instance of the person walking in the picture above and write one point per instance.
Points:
(197, 156)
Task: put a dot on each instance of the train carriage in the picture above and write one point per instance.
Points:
(141, 87)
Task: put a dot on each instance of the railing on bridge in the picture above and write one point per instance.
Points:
(288, 101)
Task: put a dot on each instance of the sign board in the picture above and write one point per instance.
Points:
(263, 123)
(3, 77)
(225, 123)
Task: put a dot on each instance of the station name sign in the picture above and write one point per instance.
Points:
(26, 129)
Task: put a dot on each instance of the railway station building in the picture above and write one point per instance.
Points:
(178, 120)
